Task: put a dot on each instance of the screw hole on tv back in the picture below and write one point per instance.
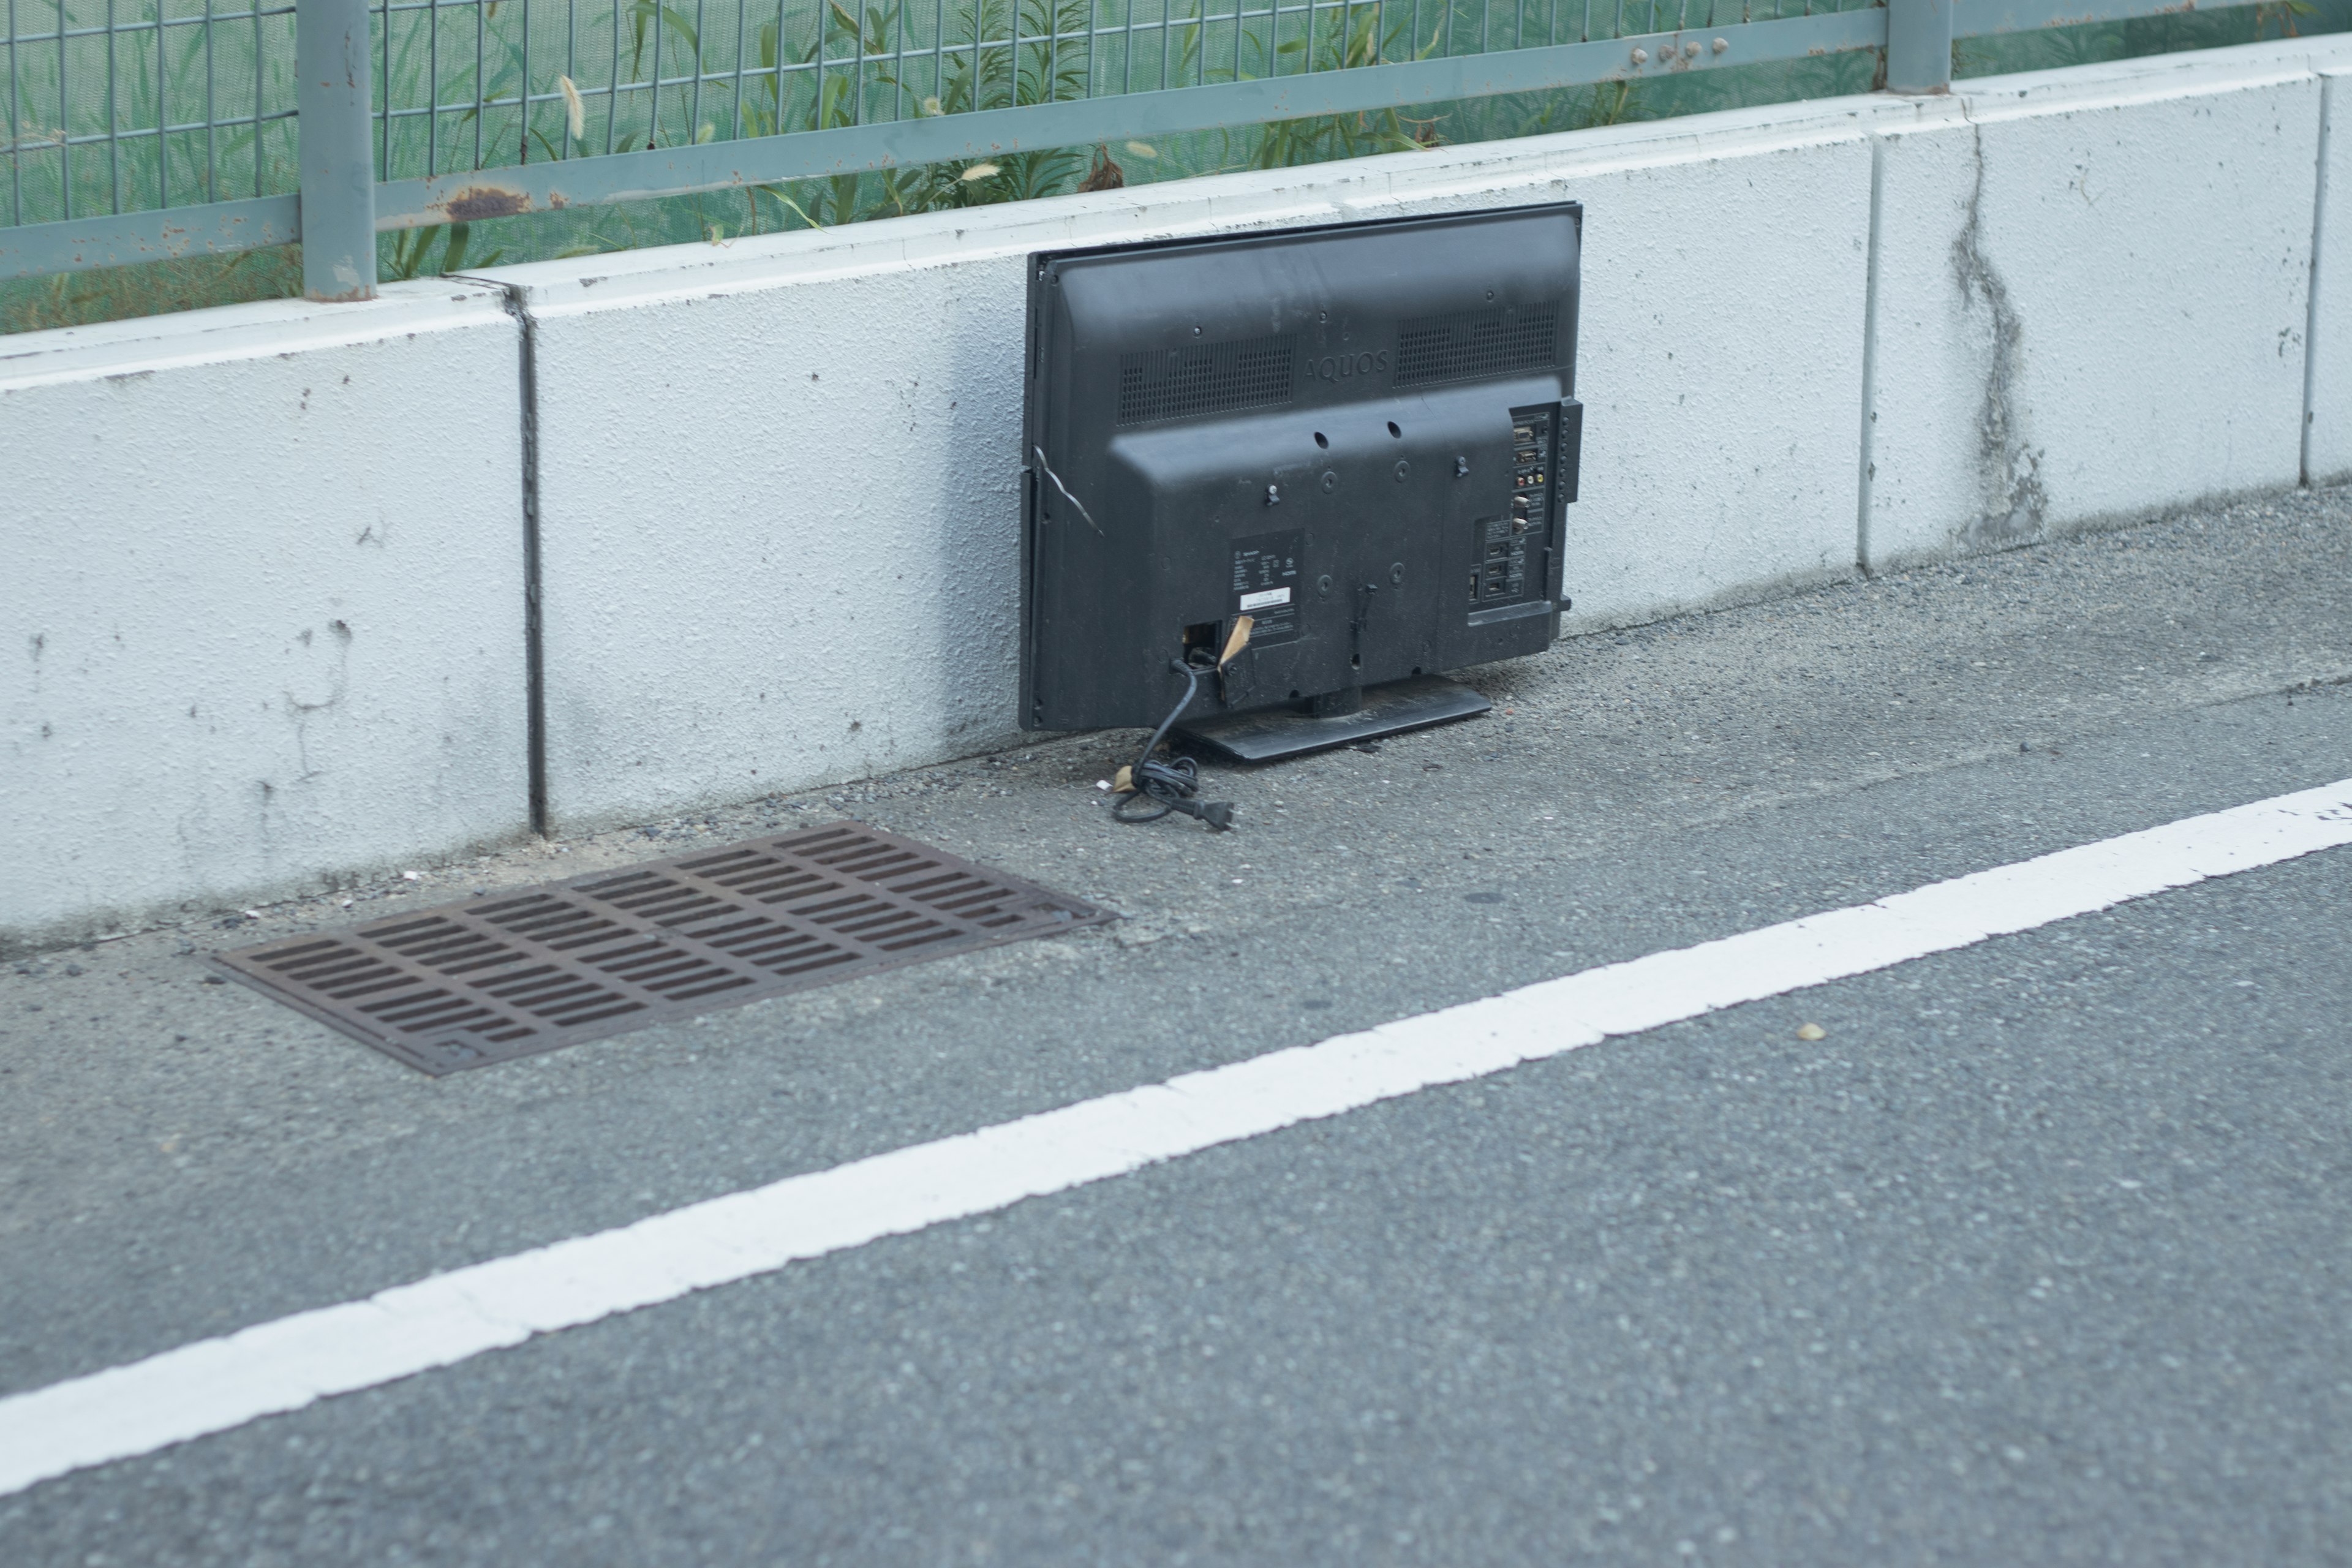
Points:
(1178, 388)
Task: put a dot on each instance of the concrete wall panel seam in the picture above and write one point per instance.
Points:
(1866, 470)
(2327, 448)
(2311, 345)
(534, 693)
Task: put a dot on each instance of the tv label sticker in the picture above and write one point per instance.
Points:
(1265, 583)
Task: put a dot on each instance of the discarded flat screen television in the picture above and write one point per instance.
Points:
(1362, 437)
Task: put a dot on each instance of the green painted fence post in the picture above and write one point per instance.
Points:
(332, 57)
(1918, 46)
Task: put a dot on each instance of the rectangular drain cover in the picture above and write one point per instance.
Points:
(529, 969)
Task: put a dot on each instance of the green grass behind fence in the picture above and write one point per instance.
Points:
(545, 130)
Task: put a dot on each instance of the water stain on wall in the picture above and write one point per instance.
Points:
(2011, 503)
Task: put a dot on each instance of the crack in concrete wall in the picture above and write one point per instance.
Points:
(2013, 503)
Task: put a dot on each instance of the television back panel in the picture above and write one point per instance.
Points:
(1362, 437)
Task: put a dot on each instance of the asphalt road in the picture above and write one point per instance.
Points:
(2039, 1256)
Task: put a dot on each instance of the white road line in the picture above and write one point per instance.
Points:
(216, 1385)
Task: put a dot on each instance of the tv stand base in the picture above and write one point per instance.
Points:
(1273, 734)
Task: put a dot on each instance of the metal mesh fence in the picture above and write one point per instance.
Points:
(123, 105)
(118, 106)
(557, 79)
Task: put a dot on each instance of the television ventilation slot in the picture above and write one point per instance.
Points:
(1462, 344)
(1207, 378)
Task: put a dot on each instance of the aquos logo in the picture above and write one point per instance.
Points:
(1336, 367)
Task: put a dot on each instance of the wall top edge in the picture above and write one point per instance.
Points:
(1215, 203)
(242, 331)
(1330, 192)
(2190, 73)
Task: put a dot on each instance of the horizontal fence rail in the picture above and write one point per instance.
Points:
(141, 130)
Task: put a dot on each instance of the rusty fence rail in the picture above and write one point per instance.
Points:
(139, 130)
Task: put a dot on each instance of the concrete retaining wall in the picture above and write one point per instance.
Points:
(778, 523)
(263, 602)
(776, 477)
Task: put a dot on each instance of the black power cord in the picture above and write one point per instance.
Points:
(1170, 783)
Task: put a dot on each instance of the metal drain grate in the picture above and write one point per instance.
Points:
(532, 969)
